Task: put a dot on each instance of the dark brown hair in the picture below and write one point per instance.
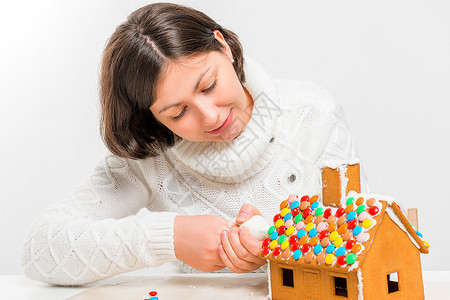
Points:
(133, 62)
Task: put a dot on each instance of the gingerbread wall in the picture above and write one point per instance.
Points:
(392, 251)
(310, 282)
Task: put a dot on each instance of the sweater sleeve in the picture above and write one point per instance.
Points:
(100, 229)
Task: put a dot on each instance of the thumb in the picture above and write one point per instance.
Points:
(247, 211)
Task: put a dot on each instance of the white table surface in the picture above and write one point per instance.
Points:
(191, 286)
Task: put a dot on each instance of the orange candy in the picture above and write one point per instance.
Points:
(356, 248)
(342, 229)
(349, 208)
(313, 241)
(309, 219)
(332, 227)
(313, 199)
(284, 204)
(303, 240)
(359, 201)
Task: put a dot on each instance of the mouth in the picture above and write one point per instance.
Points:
(224, 126)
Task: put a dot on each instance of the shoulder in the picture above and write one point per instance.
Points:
(299, 93)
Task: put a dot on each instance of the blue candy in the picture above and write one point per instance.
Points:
(274, 235)
(351, 215)
(312, 232)
(297, 254)
(357, 230)
(294, 204)
(341, 251)
(419, 234)
(287, 216)
(330, 248)
(301, 232)
(315, 205)
(317, 249)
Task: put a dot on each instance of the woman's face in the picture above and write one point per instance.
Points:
(201, 98)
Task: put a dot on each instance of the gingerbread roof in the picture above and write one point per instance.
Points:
(306, 232)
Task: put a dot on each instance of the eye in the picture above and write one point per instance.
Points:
(212, 87)
(180, 115)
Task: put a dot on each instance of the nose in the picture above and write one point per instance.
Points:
(209, 113)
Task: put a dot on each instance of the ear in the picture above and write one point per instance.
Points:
(219, 37)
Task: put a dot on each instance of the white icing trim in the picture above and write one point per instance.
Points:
(354, 266)
(360, 285)
(344, 182)
(399, 223)
(268, 278)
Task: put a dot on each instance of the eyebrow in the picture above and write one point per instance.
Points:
(166, 107)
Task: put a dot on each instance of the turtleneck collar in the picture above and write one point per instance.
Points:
(235, 160)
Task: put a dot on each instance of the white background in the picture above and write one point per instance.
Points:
(387, 61)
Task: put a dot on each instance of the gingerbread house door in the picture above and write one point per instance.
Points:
(311, 282)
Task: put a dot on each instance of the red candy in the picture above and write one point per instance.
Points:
(277, 217)
(349, 245)
(304, 198)
(266, 242)
(292, 239)
(351, 224)
(306, 212)
(295, 246)
(323, 234)
(296, 211)
(341, 260)
(281, 230)
(373, 210)
(306, 248)
(340, 212)
(327, 213)
(265, 251)
(153, 293)
(276, 251)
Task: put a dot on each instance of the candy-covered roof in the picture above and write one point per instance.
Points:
(305, 231)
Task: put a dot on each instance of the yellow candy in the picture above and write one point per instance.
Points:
(334, 235)
(426, 244)
(278, 223)
(309, 226)
(367, 223)
(284, 211)
(285, 244)
(289, 231)
(329, 259)
(338, 242)
(273, 244)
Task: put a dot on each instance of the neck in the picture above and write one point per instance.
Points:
(248, 109)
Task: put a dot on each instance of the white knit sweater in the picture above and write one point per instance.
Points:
(122, 218)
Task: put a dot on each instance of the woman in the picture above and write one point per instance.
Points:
(197, 135)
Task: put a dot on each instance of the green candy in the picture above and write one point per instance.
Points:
(282, 238)
(271, 230)
(360, 209)
(351, 258)
(350, 200)
(319, 211)
(298, 218)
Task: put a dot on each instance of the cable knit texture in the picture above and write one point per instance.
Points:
(122, 218)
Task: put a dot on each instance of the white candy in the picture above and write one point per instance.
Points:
(257, 225)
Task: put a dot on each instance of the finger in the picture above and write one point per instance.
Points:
(246, 212)
(227, 262)
(249, 242)
(240, 256)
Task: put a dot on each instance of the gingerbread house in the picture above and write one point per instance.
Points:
(343, 245)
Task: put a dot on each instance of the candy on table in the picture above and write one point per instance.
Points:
(153, 295)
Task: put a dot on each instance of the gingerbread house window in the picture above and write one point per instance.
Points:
(392, 280)
(340, 286)
(288, 277)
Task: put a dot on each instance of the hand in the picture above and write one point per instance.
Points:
(197, 239)
(239, 249)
